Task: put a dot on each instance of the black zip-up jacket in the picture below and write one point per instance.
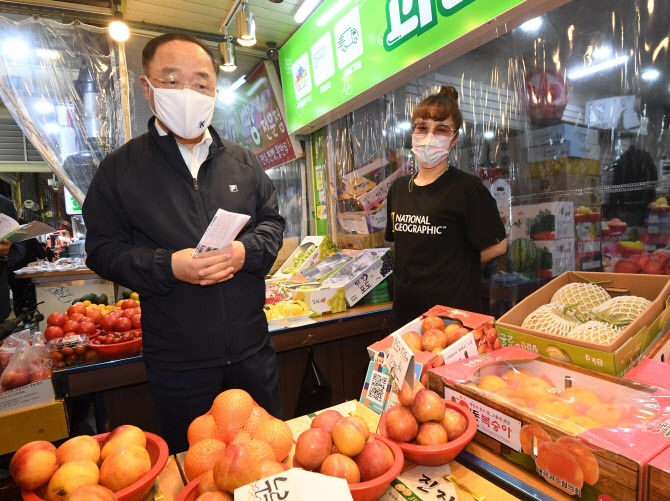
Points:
(143, 205)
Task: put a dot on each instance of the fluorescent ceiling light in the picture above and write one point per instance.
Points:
(590, 70)
(227, 95)
(489, 134)
(602, 52)
(305, 9)
(328, 15)
(42, 106)
(15, 48)
(650, 74)
(237, 84)
(532, 25)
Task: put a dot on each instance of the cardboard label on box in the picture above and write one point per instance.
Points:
(465, 347)
(398, 360)
(295, 485)
(548, 221)
(30, 395)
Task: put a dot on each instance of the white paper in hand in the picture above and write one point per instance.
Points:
(222, 230)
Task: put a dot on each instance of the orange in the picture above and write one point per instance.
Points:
(263, 449)
(231, 410)
(201, 428)
(242, 437)
(258, 415)
(278, 435)
(201, 457)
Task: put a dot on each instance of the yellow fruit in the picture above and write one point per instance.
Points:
(135, 296)
(118, 305)
(87, 303)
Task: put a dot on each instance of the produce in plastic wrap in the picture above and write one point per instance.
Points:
(24, 367)
(285, 309)
(596, 332)
(552, 319)
(621, 310)
(585, 297)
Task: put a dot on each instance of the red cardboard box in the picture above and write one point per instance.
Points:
(651, 372)
(658, 478)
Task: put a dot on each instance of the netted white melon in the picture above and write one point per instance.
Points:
(622, 309)
(551, 319)
(585, 296)
(595, 332)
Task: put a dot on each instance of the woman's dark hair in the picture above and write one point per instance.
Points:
(439, 107)
(150, 48)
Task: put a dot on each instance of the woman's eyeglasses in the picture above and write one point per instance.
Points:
(441, 131)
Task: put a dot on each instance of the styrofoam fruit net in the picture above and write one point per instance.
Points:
(585, 296)
(595, 332)
(551, 319)
(622, 309)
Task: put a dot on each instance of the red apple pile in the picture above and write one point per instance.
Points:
(423, 419)
(82, 469)
(342, 447)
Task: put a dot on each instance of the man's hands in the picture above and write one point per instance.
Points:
(4, 247)
(209, 267)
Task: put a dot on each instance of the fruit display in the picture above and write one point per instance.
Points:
(524, 255)
(586, 312)
(118, 465)
(286, 309)
(68, 350)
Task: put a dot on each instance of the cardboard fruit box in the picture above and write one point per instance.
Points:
(315, 248)
(660, 350)
(587, 434)
(658, 478)
(615, 358)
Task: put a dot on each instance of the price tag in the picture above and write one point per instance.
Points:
(398, 361)
(465, 347)
(295, 485)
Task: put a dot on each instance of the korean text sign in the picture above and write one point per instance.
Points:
(349, 46)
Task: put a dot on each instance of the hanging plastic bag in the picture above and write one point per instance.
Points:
(39, 344)
(315, 392)
(24, 367)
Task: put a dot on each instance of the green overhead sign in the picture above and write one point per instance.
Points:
(349, 46)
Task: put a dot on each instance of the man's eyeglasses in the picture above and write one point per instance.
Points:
(171, 83)
(441, 131)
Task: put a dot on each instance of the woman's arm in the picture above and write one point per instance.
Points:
(494, 251)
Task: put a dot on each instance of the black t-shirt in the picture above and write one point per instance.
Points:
(439, 230)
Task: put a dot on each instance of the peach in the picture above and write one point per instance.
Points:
(326, 420)
(413, 340)
(431, 433)
(313, 447)
(527, 433)
(428, 406)
(490, 383)
(432, 323)
(454, 424)
(92, 493)
(238, 465)
(511, 396)
(587, 462)
(206, 483)
(215, 496)
(69, 477)
(375, 460)
(451, 327)
(456, 334)
(401, 424)
(554, 409)
(124, 467)
(269, 468)
(81, 447)
(515, 375)
(432, 339)
(33, 464)
(578, 424)
(341, 466)
(606, 415)
(438, 361)
(533, 388)
(424, 380)
(581, 398)
(405, 395)
(362, 424)
(348, 437)
(560, 463)
(122, 435)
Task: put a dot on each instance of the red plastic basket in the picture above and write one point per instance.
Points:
(436, 455)
(158, 453)
(118, 350)
(363, 491)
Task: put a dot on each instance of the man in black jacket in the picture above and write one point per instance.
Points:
(149, 204)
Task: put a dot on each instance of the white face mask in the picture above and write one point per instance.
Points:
(185, 112)
(430, 151)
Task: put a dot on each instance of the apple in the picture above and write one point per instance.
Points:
(136, 321)
(454, 423)
(375, 460)
(428, 406)
(121, 436)
(33, 464)
(70, 326)
(129, 303)
(57, 319)
(78, 448)
(124, 467)
(122, 324)
(401, 425)
(107, 323)
(92, 493)
(70, 477)
(53, 332)
(87, 328)
(431, 433)
(341, 466)
(326, 420)
(238, 465)
(313, 447)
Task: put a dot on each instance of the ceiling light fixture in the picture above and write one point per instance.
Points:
(246, 26)
(602, 52)
(117, 28)
(227, 49)
(650, 74)
(590, 70)
(305, 9)
(532, 25)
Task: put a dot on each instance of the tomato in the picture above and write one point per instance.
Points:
(56, 355)
(122, 324)
(87, 328)
(58, 363)
(71, 359)
(53, 332)
(95, 316)
(130, 312)
(136, 320)
(126, 337)
(67, 351)
(107, 323)
(76, 317)
(76, 308)
(129, 303)
(57, 319)
(80, 349)
(71, 326)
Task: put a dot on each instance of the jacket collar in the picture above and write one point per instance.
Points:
(169, 144)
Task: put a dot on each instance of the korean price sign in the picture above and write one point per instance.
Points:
(399, 359)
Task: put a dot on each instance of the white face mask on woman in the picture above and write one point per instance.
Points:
(185, 112)
(430, 151)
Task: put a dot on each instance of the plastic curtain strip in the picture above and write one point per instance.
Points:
(288, 180)
(60, 83)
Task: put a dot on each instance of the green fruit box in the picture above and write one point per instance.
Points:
(363, 273)
(320, 298)
(585, 433)
(310, 251)
(616, 358)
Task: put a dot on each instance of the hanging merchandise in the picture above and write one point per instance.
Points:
(315, 392)
(61, 84)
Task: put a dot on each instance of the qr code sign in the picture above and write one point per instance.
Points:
(377, 388)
